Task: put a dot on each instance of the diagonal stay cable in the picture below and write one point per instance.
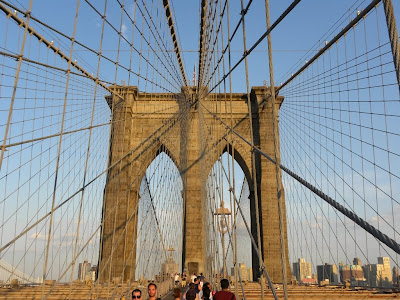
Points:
(50, 45)
(138, 52)
(243, 13)
(210, 35)
(155, 215)
(203, 20)
(80, 129)
(158, 33)
(15, 56)
(362, 14)
(262, 265)
(165, 51)
(174, 39)
(151, 138)
(392, 244)
(56, 50)
(245, 54)
(356, 154)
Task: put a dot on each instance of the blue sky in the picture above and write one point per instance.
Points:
(294, 41)
(297, 34)
(304, 29)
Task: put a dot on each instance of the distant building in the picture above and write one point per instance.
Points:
(302, 269)
(83, 271)
(380, 274)
(357, 272)
(246, 274)
(357, 276)
(328, 272)
(345, 273)
(354, 274)
(396, 276)
(92, 273)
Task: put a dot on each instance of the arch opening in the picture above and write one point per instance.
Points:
(160, 223)
(228, 179)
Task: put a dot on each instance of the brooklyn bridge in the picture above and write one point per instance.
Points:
(175, 142)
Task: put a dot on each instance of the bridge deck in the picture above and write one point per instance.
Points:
(252, 291)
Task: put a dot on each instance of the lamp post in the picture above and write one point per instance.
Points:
(223, 227)
(171, 252)
(171, 263)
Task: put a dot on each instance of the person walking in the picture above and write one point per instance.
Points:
(207, 291)
(184, 279)
(198, 288)
(152, 291)
(191, 292)
(176, 280)
(136, 294)
(224, 294)
(177, 294)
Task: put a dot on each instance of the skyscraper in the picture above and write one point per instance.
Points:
(345, 273)
(353, 274)
(379, 274)
(83, 270)
(396, 276)
(302, 269)
(328, 271)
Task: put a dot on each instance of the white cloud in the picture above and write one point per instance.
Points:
(124, 30)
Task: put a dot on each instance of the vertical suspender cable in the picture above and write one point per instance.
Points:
(85, 171)
(253, 163)
(59, 150)
(109, 153)
(229, 145)
(254, 244)
(276, 156)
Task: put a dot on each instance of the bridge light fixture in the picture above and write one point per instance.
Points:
(223, 224)
(222, 214)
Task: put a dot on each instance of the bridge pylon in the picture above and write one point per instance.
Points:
(138, 137)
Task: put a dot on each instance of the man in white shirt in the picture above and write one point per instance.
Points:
(176, 279)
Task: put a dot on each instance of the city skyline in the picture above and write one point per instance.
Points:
(380, 274)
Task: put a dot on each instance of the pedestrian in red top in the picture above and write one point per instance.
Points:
(225, 294)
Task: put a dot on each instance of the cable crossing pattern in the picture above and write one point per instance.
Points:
(275, 167)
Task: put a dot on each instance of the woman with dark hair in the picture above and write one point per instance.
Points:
(191, 293)
(177, 294)
(207, 291)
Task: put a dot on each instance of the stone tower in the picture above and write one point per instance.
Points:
(142, 134)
